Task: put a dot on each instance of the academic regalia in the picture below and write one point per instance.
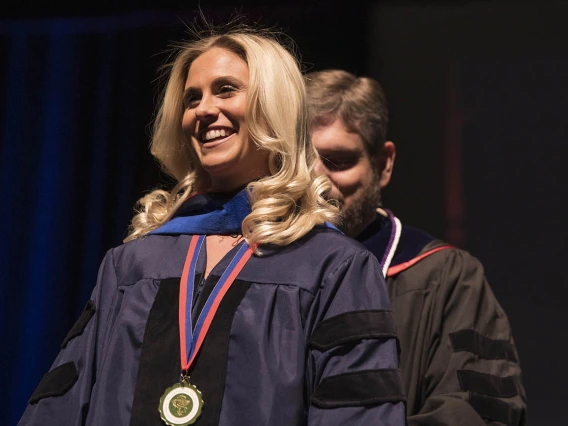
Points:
(458, 357)
(304, 335)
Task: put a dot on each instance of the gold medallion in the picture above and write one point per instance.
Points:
(181, 404)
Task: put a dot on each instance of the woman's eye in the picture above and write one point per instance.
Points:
(227, 90)
(191, 101)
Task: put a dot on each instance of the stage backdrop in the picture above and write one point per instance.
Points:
(481, 85)
(477, 97)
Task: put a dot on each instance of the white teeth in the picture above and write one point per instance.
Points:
(212, 134)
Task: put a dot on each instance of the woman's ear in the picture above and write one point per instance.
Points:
(386, 163)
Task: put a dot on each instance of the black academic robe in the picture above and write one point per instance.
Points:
(458, 356)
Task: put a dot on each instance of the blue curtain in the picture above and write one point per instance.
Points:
(77, 99)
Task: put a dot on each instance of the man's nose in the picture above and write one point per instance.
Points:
(319, 168)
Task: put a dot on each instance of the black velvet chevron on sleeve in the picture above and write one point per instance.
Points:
(56, 382)
(352, 326)
(369, 387)
(494, 409)
(482, 346)
(80, 324)
(487, 384)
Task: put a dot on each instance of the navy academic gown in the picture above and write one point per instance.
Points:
(304, 336)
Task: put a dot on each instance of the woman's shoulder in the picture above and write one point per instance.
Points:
(310, 260)
(322, 245)
(328, 234)
(151, 256)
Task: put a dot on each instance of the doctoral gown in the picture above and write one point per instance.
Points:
(459, 361)
(304, 336)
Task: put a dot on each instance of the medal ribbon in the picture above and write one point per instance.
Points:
(191, 338)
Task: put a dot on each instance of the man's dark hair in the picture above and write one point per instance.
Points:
(360, 102)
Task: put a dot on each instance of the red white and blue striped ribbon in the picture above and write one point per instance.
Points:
(191, 338)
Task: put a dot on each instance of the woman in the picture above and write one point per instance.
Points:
(233, 300)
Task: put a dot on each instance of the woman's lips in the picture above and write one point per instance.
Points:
(215, 141)
(213, 134)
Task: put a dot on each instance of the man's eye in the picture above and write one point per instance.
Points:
(337, 164)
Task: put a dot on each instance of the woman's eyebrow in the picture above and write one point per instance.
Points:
(228, 79)
(192, 90)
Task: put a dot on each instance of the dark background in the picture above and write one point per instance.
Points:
(478, 101)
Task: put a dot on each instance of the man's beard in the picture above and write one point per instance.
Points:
(362, 210)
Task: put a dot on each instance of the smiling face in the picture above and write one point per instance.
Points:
(214, 120)
(354, 176)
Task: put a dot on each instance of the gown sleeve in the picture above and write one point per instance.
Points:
(472, 373)
(353, 367)
(62, 396)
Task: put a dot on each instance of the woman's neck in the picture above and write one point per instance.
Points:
(227, 192)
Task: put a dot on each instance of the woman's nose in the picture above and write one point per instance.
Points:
(207, 109)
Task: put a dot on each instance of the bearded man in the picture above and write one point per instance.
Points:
(458, 357)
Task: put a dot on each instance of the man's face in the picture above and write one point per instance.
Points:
(353, 174)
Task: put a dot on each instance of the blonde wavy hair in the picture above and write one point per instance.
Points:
(289, 202)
